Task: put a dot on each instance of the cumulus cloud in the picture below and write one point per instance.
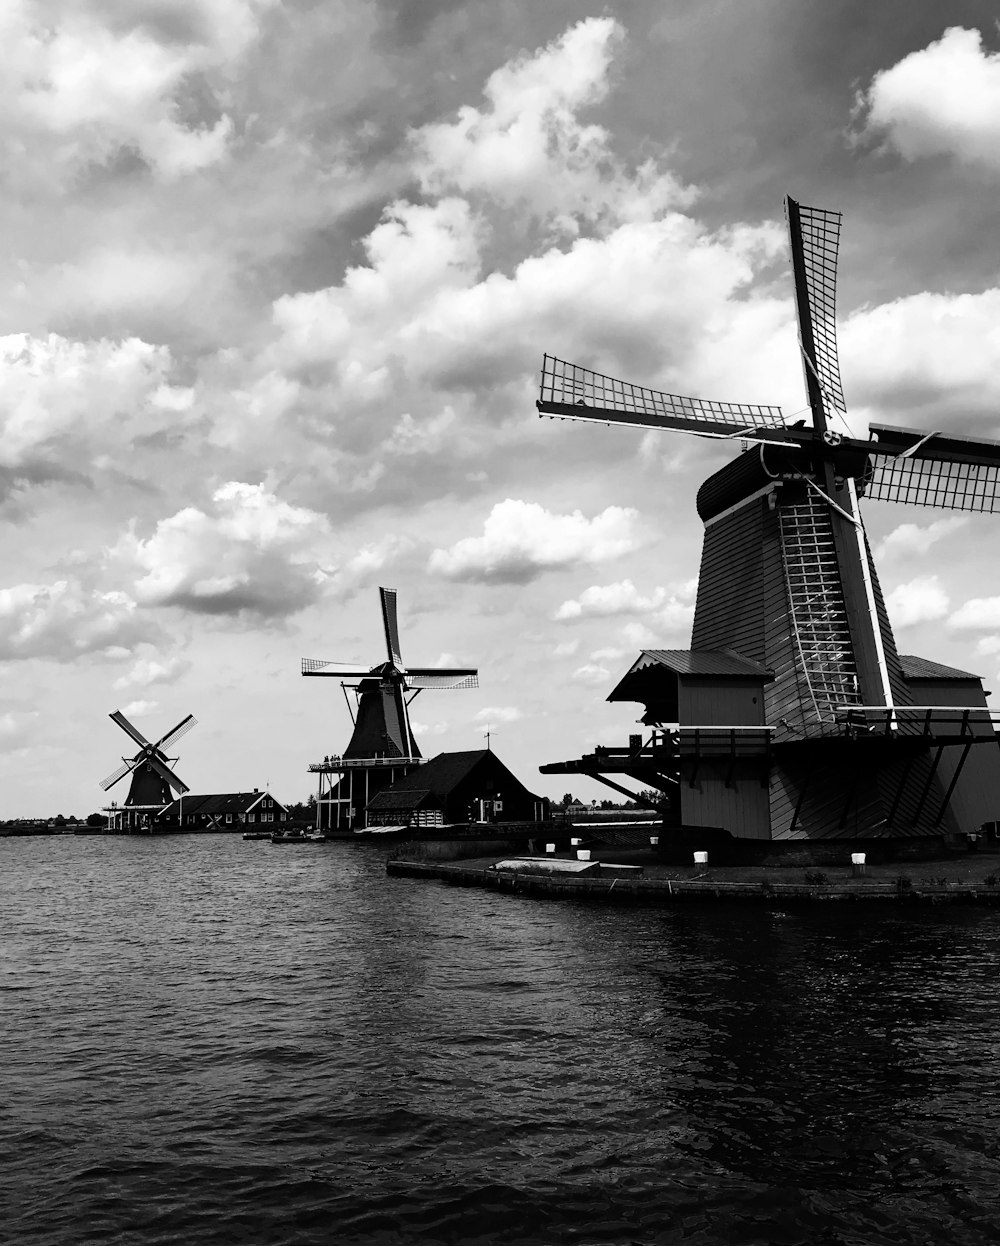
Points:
(250, 554)
(933, 354)
(99, 82)
(498, 714)
(521, 540)
(591, 673)
(941, 100)
(671, 608)
(922, 600)
(140, 709)
(63, 620)
(63, 402)
(527, 146)
(911, 538)
(977, 614)
(147, 671)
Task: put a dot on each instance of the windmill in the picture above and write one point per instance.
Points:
(793, 716)
(382, 747)
(152, 778)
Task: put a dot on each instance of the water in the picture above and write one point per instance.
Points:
(212, 1041)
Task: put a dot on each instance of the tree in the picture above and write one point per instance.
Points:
(95, 819)
(568, 799)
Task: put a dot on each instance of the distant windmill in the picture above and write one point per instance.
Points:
(152, 778)
(382, 745)
(828, 731)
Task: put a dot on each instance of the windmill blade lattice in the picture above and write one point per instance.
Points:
(183, 727)
(815, 237)
(115, 775)
(391, 625)
(342, 670)
(928, 482)
(445, 680)
(572, 391)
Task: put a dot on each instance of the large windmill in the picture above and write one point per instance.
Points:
(382, 747)
(793, 716)
(153, 781)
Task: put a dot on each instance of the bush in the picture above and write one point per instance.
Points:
(816, 878)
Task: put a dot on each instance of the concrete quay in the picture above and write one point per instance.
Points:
(637, 878)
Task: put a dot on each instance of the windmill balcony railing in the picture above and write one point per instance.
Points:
(337, 764)
(942, 724)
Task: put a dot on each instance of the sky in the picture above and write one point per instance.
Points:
(275, 287)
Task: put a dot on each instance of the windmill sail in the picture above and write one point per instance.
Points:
(573, 392)
(389, 622)
(815, 242)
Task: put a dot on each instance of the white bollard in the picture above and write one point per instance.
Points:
(583, 854)
(575, 843)
(701, 859)
(550, 847)
(858, 867)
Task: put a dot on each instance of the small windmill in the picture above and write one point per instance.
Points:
(382, 745)
(152, 778)
(791, 636)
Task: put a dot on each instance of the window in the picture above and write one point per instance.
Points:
(498, 806)
(267, 803)
(229, 817)
(267, 817)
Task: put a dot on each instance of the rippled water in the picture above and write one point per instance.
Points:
(212, 1041)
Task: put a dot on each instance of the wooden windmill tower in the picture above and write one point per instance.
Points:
(382, 747)
(153, 781)
(793, 716)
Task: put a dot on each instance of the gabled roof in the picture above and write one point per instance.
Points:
(441, 773)
(704, 662)
(393, 799)
(653, 676)
(924, 668)
(219, 803)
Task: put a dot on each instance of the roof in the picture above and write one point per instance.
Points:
(392, 799)
(219, 803)
(441, 773)
(924, 668)
(704, 662)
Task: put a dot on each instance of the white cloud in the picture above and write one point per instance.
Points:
(498, 714)
(565, 648)
(147, 671)
(425, 729)
(591, 673)
(911, 538)
(604, 600)
(941, 100)
(521, 540)
(84, 88)
(63, 620)
(933, 354)
(62, 402)
(528, 148)
(139, 709)
(977, 614)
(252, 554)
(922, 600)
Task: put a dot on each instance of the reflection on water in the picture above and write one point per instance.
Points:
(216, 1041)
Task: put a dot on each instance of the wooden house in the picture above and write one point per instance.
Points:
(472, 786)
(224, 811)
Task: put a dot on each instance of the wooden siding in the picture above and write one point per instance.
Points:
(976, 798)
(729, 609)
(741, 808)
(708, 703)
